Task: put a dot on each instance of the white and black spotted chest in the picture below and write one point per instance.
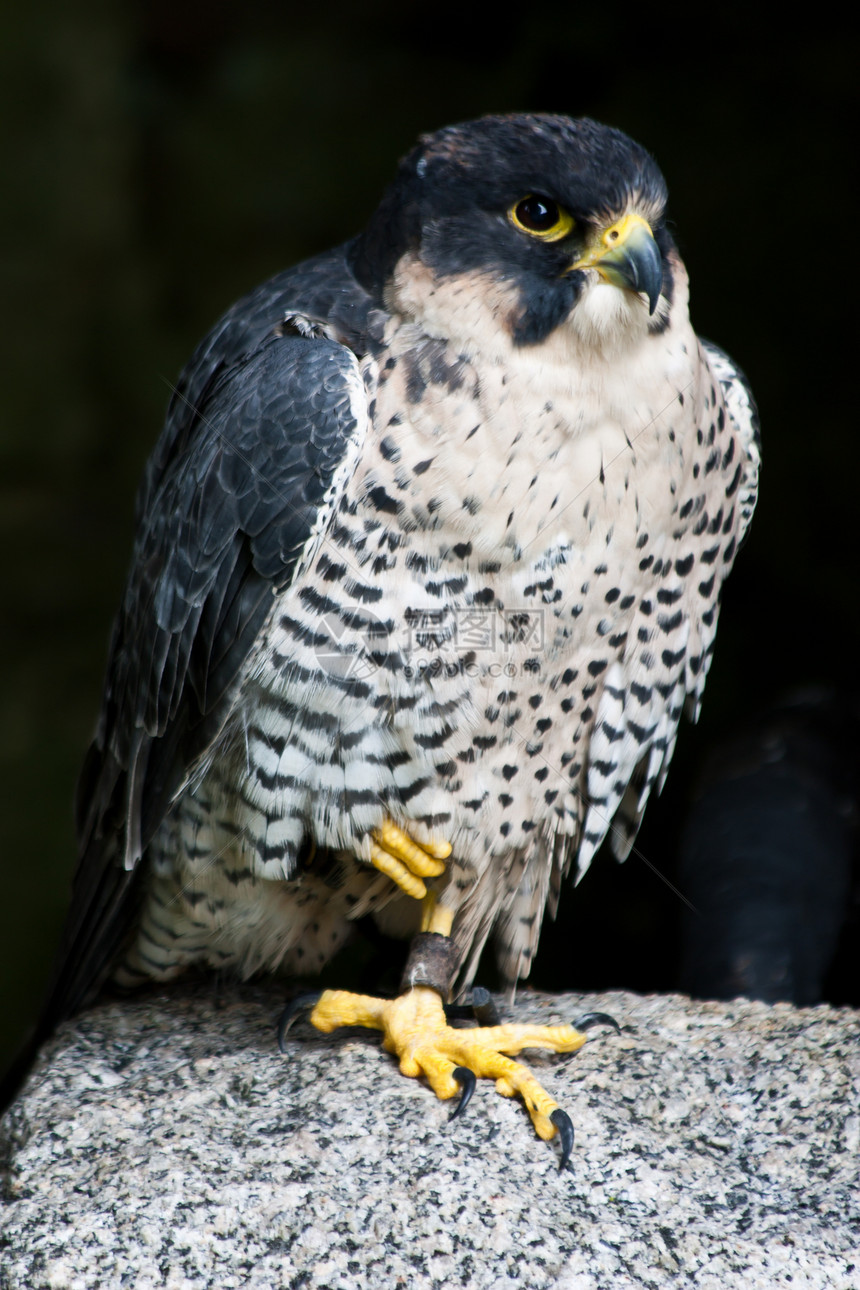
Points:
(514, 548)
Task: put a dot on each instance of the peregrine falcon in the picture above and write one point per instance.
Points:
(428, 563)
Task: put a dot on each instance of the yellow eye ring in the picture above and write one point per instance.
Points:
(541, 217)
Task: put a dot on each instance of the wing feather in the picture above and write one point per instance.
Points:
(260, 437)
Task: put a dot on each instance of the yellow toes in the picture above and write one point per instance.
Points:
(336, 1008)
(416, 1032)
(513, 1039)
(424, 860)
(406, 863)
(397, 872)
(540, 1106)
(438, 1070)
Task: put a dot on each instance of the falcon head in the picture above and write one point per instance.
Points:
(509, 229)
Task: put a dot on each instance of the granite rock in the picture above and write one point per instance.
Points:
(165, 1143)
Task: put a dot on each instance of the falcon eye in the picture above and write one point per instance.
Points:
(541, 217)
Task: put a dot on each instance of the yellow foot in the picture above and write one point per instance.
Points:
(394, 853)
(416, 1031)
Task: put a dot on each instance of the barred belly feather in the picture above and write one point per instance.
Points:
(592, 552)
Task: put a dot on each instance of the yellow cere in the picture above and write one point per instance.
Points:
(612, 239)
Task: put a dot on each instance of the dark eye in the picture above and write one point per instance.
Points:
(541, 217)
(537, 214)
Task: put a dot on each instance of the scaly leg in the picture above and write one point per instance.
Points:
(414, 1025)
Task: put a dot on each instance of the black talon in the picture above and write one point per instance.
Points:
(485, 1010)
(468, 1079)
(563, 1123)
(596, 1019)
(292, 1010)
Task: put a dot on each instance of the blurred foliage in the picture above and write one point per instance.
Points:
(161, 158)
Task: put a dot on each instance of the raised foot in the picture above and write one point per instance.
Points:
(415, 1030)
(406, 862)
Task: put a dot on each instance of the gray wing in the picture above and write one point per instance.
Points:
(241, 479)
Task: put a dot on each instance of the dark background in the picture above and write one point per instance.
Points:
(159, 159)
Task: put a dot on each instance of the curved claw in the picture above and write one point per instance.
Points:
(563, 1123)
(468, 1080)
(596, 1019)
(292, 1010)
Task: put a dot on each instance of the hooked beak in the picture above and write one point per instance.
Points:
(626, 255)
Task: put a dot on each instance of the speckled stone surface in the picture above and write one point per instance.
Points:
(166, 1143)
